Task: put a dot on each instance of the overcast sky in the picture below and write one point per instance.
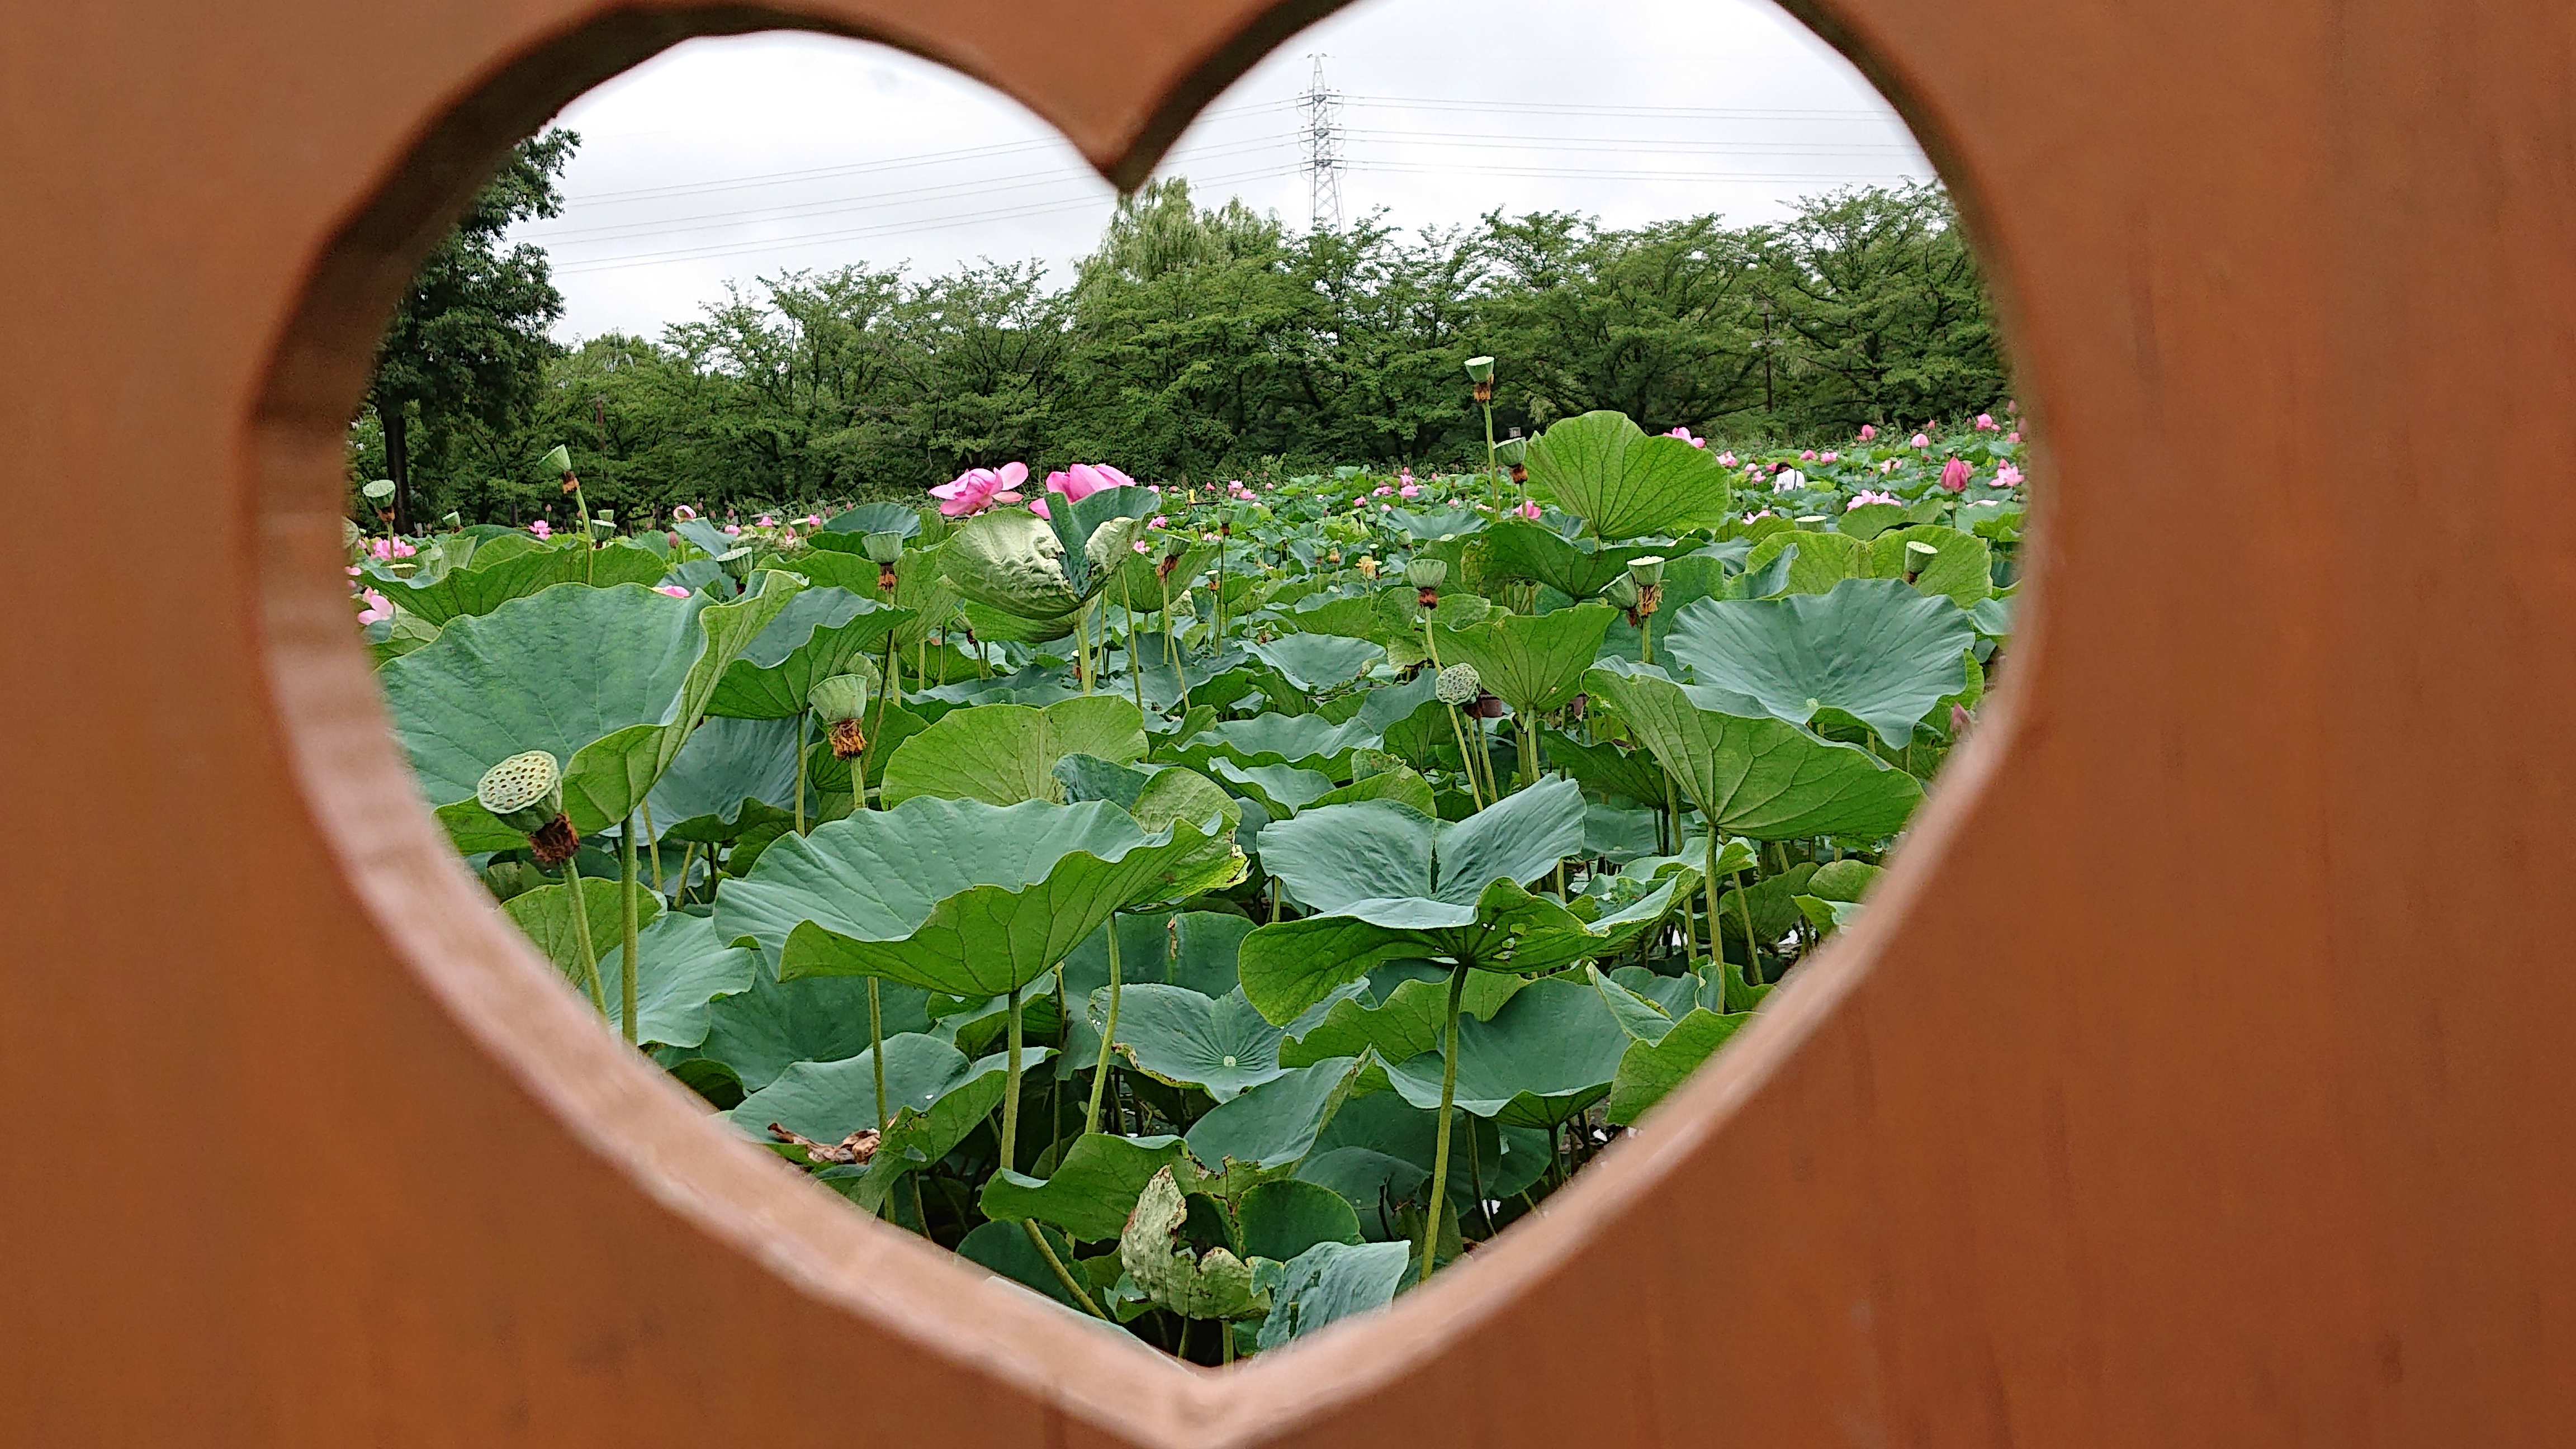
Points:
(746, 157)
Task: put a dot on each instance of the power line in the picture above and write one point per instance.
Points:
(1443, 168)
(1714, 113)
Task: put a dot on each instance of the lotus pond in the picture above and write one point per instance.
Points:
(1215, 909)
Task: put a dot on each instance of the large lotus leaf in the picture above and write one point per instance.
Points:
(821, 632)
(1136, 585)
(492, 577)
(1214, 1284)
(959, 896)
(1623, 483)
(828, 1101)
(1608, 769)
(1648, 1071)
(1759, 777)
(1351, 858)
(1347, 616)
(1266, 1131)
(684, 969)
(1439, 523)
(1014, 561)
(1404, 1023)
(609, 681)
(776, 1024)
(1003, 754)
(1288, 967)
(1195, 949)
(1282, 1219)
(1187, 1039)
(920, 586)
(726, 763)
(1873, 648)
(1521, 550)
(1534, 663)
(1549, 1053)
(1960, 568)
(1379, 1150)
(1282, 789)
(1308, 741)
(1400, 785)
(879, 517)
(1816, 563)
(545, 916)
(1096, 536)
(1093, 1189)
(1318, 662)
(1328, 1283)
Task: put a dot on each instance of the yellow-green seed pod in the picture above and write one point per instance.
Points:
(1480, 369)
(1427, 573)
(882, 548)
(1621, 592)
(736, 562)
(558, 461)
(840, 697)
(380, 491)
(524, 792)
(1647, 570)
(1512, 452)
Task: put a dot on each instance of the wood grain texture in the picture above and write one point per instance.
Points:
(2199, 1077)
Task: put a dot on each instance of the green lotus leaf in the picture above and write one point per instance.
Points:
(1842, 880)
(1009, 560)
(1816, 563)
(1625, 484)
(1532, 662)
(1098, 534)
(1213, 1284)
(1404, 1023)
(821, 632)
(1266, 1131)
(1400, 785)
(683, 969)
(1960, 568)
(1307, 741)
(1608, 769)
(920, 586)
(1003, 754)
(492, 576)
(1282, 1219)
(762, 1032)
(1357, 617)
(609, 681)
(1518, 549)
(1378, 1153)
(1182, 1037)
(1093, 1188)
(959, 896)
(878, 517)
(1827, 916)
(935, 1099)
(1318, 662)
(1758, 777)
(1649, 1070)
(726, 765)
(1281, 789)
(1330, 1282)
(1873, 648)
(544, 915)
(1005, 1249)
(1551, 1052)
(1195, 949)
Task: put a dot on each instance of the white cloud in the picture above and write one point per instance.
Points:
(747, 156)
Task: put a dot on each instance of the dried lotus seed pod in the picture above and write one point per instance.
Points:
(1459, 684)
(525, 792)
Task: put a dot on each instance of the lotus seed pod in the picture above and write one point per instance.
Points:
(882, 548)
(379, 491)
(524, 792)
(1512, 452)
(843, 696)
(558, 461)
(1918, 554)
(1458, 684)
(1427, 573)
(1621, 593)
(1647, 570)
(1480, 370)
(736, 562)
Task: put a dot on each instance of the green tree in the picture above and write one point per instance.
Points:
(467, 349)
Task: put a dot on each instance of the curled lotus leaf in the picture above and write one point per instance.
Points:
(1624, 484)
(1011, 561)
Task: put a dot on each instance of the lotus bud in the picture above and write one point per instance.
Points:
(841, 702)
(736, 562)
(1480, 371)
(380, 491)
(1918, 557)
(1458, 684)
(525, 792)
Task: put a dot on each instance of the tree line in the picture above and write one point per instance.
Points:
(1195, 343)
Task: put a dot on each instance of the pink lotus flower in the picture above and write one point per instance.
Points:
(1080, 482)
(1410, 489)
(1808, 456)
(1754, 518)
(1954, 476)
(1381, 490)
(541, 529)
(354, 571)
(1867, 496)
(1528, 509)
(675, 591)
(977, 489)
(1404, 476)
(1685, 435)
(765, 521)
(1889, 466)
(1726, 460)
(813, 520)
(385, 549)
(2013, 437)
(1919, 441)
(2006, 476)
(1829, 457)
(379, 608)
(1986, 423)
(1867, 432)
(1141, 547)
(683, 513)
(1156, 521)
(732, 529)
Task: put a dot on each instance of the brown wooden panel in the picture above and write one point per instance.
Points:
(2199, 1078)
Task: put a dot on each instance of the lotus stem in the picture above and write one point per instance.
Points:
(1135, 669)
(1465, 760)
(581, 936)
(876, 1051)
(1493, 467)
(629, 889)
(1225, 1342)
(1011, 1087)
(1082, 647)
(1529, 752)
(645, 809)
(1063, 1274)
(800, 770)
(1448, 1107)
(1752, 951)
(1108, 1033)
(688, 862)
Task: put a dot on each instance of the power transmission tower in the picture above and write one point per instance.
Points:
(1321, 108)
